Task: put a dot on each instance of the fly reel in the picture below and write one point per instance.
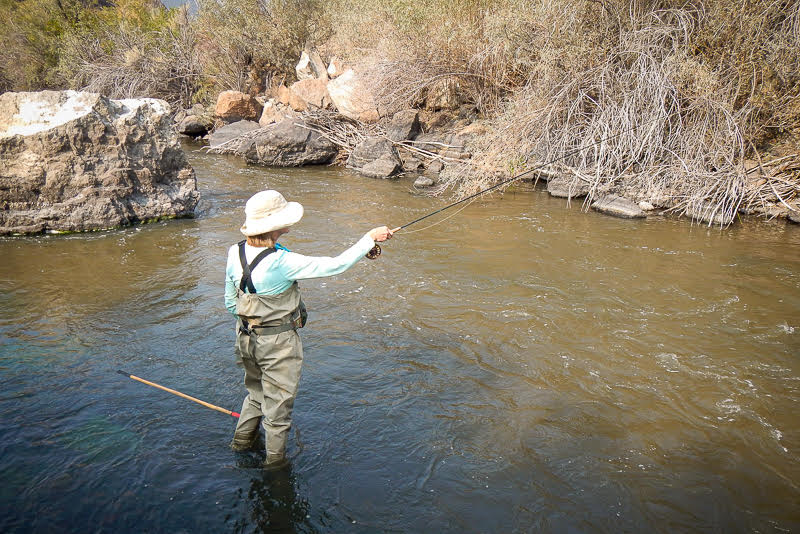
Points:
(374, 252)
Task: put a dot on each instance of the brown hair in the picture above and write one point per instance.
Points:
(263, 240)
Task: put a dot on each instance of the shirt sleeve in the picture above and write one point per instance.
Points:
(298, 267)
(232, 275)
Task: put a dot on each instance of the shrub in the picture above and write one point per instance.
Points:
(133, 49)
(245, 42)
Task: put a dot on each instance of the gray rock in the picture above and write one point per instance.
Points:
(287, 144)
(794, 217)
(231, 131)
(384, 167)
(435, 166)
(372, 150)
(73, 161)
(562, 187)
(424, 181)
(410, 162)
(432, 142)
(617, 206)
(195, 125)
(404, 125)
(708, 214)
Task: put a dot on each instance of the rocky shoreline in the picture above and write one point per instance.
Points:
(72, 161)
(329, 117)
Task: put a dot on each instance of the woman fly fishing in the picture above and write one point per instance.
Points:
(261, 291)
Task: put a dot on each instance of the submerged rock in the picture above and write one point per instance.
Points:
(73, 161)
(424, 181)
(617, 206)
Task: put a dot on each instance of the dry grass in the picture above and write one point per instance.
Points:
(666, 125)
(126, 60)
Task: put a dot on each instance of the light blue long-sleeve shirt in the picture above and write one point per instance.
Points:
(278, 271)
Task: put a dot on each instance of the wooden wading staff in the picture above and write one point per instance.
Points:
(179, 394)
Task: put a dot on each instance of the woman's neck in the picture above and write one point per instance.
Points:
(261, 243)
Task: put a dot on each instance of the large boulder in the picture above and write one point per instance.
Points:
(233, 106)
(73, 161)
(352, 98)
(288, 144)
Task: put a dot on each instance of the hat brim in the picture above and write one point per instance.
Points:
(289, 215)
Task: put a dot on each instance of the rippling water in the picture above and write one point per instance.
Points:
(522, 367)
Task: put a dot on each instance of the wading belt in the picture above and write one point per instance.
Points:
(246, 286)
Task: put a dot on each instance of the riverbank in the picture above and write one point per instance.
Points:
(689, 108)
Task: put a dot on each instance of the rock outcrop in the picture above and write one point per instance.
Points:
(311, 66)
(73, 161)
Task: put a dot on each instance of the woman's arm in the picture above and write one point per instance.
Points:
(298, 267)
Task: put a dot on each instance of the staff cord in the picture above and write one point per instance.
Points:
(529, 171)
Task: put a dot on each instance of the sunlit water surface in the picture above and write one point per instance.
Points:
(521, 367)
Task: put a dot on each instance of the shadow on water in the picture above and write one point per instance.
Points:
(522, 367)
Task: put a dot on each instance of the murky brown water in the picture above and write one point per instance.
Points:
(521, 367)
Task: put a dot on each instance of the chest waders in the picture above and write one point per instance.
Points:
(269, 349)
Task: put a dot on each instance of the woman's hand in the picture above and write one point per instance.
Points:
(381, 233)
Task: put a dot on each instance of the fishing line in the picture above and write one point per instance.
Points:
(438, 222)
(529, 171)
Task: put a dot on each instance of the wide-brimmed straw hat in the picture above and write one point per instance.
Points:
(267, 211)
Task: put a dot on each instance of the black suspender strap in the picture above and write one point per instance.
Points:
(247, 270)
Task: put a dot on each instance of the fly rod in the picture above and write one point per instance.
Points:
(529, 171)
(178, 393)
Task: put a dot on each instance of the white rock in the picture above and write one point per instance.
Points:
(351, 97)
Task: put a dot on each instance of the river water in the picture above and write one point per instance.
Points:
(521, 367)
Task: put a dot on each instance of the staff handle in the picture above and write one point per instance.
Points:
(179, 394)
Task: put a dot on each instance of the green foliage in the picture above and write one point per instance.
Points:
(31, 41)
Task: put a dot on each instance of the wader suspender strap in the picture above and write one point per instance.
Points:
(247, 270)
(246, 285)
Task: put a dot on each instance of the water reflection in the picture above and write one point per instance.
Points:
(273, 505)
